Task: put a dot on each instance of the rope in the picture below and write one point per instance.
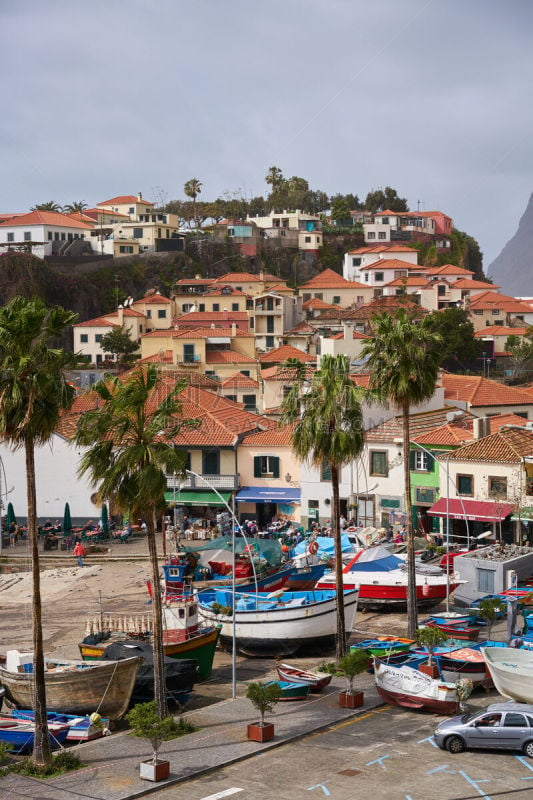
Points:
(107, 687)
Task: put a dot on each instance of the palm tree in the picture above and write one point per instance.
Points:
(328, 430)
(78, 207)
(274, 178)
(50, 205)
(33, 392)
(129, 440)
(403, 360)
(192, 189)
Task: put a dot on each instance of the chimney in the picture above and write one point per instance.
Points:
(225, 313)
(262, 274)
(233, 329)
(140, 197)
(481, 427)
(120, 315)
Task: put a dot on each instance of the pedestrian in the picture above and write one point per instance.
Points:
(403, 533)
(79, 552)
(390, 534)
(12, 534)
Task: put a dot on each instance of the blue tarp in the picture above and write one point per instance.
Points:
(326, 544)
(268, 494)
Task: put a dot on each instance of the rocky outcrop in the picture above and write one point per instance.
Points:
(513, 268)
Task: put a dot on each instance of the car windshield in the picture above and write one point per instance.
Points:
(469, 717)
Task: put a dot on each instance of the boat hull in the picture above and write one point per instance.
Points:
(105, 686)
(393, 597)
(306, 577)
(409, 688)
(511, 670)
(19, 734)
(291, 690)
(315, 680)
(80, 729)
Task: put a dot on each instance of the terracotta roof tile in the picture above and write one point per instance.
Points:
(301, 328)
(280, 373)
(382, 248)
(329, 279)
(500, 420)
(239, 381)
(508, 445)
(122, 199)
(97, 322)
(54, 218)
(229, 357)
(276, 437)
(246, 277)
(445, 435)
(316, 303)
(479, 391)
(393, 263)
(468, 283)
(499, 330)
(420, 423)
(449, 269)
(153, 298)
(280, 354)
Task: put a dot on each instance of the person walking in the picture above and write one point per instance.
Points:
(79, 552)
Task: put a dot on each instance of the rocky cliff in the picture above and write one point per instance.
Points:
(513, 268)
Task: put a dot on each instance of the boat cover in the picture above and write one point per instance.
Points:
(326, 545)
(221, 549)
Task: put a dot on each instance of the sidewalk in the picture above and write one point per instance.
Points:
(112, 763)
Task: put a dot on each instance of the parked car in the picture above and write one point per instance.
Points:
(501, 726)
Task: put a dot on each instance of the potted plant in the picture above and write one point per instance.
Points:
(350, 665)
(489, 610)
(146, 723)
(430, 638)
(263, 697)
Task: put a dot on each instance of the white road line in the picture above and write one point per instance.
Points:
(225, 793)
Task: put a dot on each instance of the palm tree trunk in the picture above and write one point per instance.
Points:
(412, 614)
(336, 526)
(42, 754)
(160, 691)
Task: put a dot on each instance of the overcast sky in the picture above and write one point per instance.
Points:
(114, 97)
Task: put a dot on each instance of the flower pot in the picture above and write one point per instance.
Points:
(429, 669)
(154, 772)
(351, 700)
(260, 733)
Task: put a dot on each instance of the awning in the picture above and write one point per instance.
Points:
(268, 494)
(472, 510)
(197, 498)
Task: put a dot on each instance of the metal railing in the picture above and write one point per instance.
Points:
(226, 482)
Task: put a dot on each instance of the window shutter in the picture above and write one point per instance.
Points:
(431, 463)
(412, 462)
(275, 466)
(257, 466)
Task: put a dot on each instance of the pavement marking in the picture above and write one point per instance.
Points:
(475, 784)
(429, 739)
(379, 761)
(225, 793)
(351, 721)
(526, 764)
(320, 786)
(443, 768)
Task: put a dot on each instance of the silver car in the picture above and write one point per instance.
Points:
(501, 726)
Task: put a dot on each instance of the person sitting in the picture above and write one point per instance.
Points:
(126, 533)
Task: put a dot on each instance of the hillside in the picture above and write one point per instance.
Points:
(513, 268)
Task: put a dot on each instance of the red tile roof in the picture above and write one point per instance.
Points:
(499, 330)
(449, 269)
(420, 423)
(508, 445)
(315, 302)
(382, 248)
(500, 420)
(302, 328)
(231, 357)
(280, 354)
(239, 381)
(198, 333)
(153, 298)
(393, 263)
(329, 279)
(446, 435)
(468, 283)
(54, 218)
(97, 322)
(276, 437)
(479, 391)
(122, 199)
(355, 335)
(222, 291)
(490, 300)
(246, 277)
(410, 280)
(280, 373)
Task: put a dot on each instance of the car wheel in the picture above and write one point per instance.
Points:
(528, 749)
(456, 745)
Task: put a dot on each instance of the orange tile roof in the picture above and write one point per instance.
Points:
(239, 381)
(246, 277)
(382, 248)
(508, 445)
(500, 420)
(95, 212)
(469, 283)
(393, 263)
(281, 288)
(194, 281)
(54, 218)
(315, 302)
(166, 357)
(152, 298)
(97, 322)
(222, 291)
(197, 333)
(280, 354)
(275, 437)
(122, 199)
(361, 379)
(301, 328)
(355, 335)
(420, 423)
(486, 300)
(410, 280)
(329, 279)
(445, 435)
(229, 357)
(280, 373)
(449, 269)
(215, 316)
(499, 330)
(479, 391)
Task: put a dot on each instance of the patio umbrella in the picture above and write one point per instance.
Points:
(10, 516)
(67, 522)
(105, 520)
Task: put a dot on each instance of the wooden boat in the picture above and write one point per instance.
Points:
(76, 687)
(383, 646)
(409, 688)
(183, 638)
(19, 734)
(452, 618)
(457, 631)
(315, 680)
(80, 729)
(382, 580)
(280, 625)
(511, 670)
(468, 663)
(305, 576)
(291, 690)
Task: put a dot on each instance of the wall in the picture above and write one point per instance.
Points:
(468, 565)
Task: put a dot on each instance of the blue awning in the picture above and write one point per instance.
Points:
(268, 494)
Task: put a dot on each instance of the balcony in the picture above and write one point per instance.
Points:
(225, 482)
(188, 361)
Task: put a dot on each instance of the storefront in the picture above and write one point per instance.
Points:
(201, 506)
(263, 503)
(471, 518)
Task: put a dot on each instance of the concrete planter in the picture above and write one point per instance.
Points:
(154, 772)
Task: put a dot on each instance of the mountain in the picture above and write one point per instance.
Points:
(513, 268)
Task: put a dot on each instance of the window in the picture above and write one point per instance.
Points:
(50, 236)
(308, 240)
(245, 372)
(269, 341)
(125, 248)
(421, 461)
(478, 311)
(149, 313)
(137, 233)
(465, 485)
(441, 290)
(286, 390)
(84, 338)
(360, 298)
(211, 462)
(498, 487)
(382, 235)
(270, 304)
(266, 467)
(231, 397)
(63, 237)
(131, 210)
(188, 353)
(485, 581)
(378, 463)
(98, 337)
(27, 236)
(495, 312)
(498, 322)
(161, 313)
(201, 307)
(356, 262)
(312, 509)
(270, 324)
(234, 306)
(379, 276)
(384, 220)
(325, 472)
(249, 401)
(216, 306)
(336, 299)
(371, 235)
(10, 237)
(515, 721)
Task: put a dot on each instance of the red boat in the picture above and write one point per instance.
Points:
(315, 680)
(455, 630)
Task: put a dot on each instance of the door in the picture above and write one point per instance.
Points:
(265, 513)
(513, 731)
(483, 730)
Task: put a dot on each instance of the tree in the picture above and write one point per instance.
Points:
(274, 178)
(77, 207)
(192, 189)
(340, 211)
(385, 200)
(119, 342)
(33, 393)
(50, 205)
(328, 429)
(457, 333)
(403, 359)
(129, 440)
(521, 350)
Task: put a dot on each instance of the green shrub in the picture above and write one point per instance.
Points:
(263, 697)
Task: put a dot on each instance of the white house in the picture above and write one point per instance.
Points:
(363, 256)
(45, 233)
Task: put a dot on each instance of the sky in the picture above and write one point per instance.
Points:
(114, 97)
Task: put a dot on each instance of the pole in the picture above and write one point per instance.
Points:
(1, 507)
(448, 533)
(233, 636)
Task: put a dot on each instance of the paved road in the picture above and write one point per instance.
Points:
(386, 754)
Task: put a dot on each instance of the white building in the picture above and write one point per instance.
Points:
(45, 233)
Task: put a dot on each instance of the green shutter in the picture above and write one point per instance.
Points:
(412, 463)
(257, 466)
(275, 466)
(431, 463)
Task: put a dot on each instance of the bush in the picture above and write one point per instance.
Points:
(352, 664)
(146, 723)
(263, 696)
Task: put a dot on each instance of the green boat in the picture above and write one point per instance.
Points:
(292, 691)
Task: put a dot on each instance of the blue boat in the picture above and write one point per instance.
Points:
(80, 729)
(19, 734)
(291, 691)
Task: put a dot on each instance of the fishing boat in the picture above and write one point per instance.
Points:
(291, 690)
(80, 729)
(74, 687)
(19, 734)
(455, 630)
(382, 580)
(183, 637)
(453, 617)
(175, 582)
(409, 688)
(467, 663)
(304, 574)
(384, 646)
(315, 680)
(276, 625)
(511, 670)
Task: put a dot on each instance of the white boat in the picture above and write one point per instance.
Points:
(409, 688)
(511, 670)
(277, 624)
(382, 580)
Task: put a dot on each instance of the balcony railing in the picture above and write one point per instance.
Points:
(225, 482)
